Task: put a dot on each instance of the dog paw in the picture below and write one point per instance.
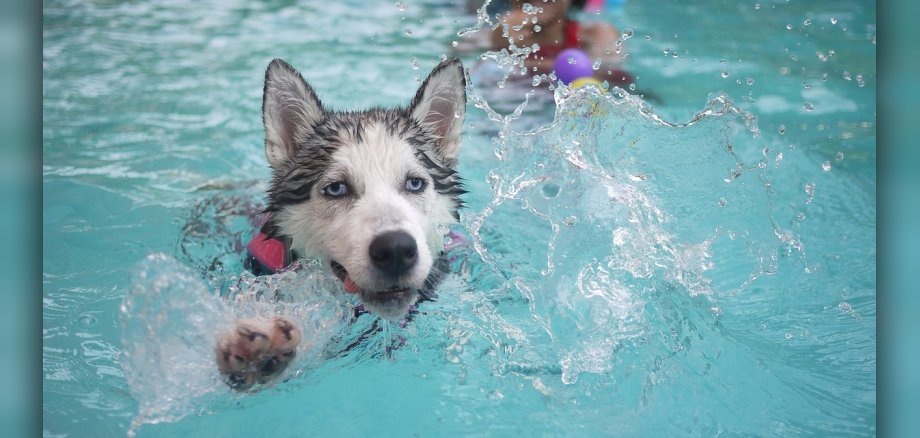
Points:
(256, 350)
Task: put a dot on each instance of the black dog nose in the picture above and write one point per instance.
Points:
(394, 253)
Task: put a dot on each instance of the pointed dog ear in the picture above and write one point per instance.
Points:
(290, 109)
(440, 105)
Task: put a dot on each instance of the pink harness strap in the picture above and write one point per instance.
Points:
(271, 253)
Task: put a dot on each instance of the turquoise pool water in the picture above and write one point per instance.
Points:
(702, 266)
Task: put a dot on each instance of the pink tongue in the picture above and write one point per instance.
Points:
(350, 285)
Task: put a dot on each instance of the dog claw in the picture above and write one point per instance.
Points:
(256, 351)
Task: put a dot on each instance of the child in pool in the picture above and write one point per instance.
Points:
(555, 32)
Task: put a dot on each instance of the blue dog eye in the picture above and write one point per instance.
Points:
(415, 184)
(335, 189)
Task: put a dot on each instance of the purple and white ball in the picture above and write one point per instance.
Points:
(572, 64)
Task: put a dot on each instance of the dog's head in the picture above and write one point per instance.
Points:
(370, 192)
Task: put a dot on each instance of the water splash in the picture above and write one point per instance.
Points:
(170, 322)
(602, 202)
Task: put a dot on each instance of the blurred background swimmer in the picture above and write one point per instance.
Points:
(550, 26)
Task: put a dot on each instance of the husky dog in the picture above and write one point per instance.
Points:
(367, 193)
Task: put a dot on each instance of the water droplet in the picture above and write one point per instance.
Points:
(536, 80)
(571, 60)
(648, 37)
(839, 156)
(454, 43)
(537, 28)
(808, 106)
(831, 53)
(570, 221)
(807, 22)
(860, 81)
(810, 191)
(401, 6)
(788, 335)
(597, 64)
(667, 51)
(722, 202)
(800, 216)
(846, 75)
(756, 6)
(826, 166)
(415, 64)
(821, 56)
(779, 158)
(528, 8)
(782, 129)
(408, 32)
(632, 86)
(750, 81)
(833, 20)
(724, 74)
(788, 27)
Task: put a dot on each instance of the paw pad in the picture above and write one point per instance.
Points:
(257, 350)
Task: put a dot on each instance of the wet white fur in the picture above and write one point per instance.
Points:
(342, 229)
